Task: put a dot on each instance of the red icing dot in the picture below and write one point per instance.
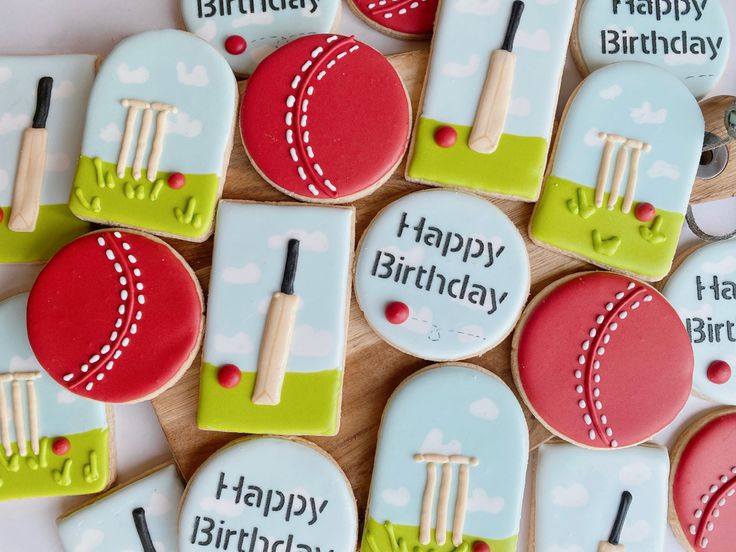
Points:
(480, 546)
(645, 212)
(719, 372)
(61, 446)
(229, 376)
(235, 45)
(397, 312)
(177, 180)
(2, 215)
(445, 136)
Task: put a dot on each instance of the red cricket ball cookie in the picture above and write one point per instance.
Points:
(115, 316)
(704, 483)
(325, 118)
(406, 18)
(603, 360)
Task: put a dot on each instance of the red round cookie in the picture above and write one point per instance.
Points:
(603, 360)
(704, 483)
(406, 18)
(115, 316)
(325, 118)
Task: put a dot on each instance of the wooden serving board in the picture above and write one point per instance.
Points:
(374, 369)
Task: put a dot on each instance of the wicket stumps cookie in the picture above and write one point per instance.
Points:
(325, 118)
(42, 105)
(115, 316)
(442, 275)
(268, 493)
(450, 465)
(274, 351)
(490, 95)
(624, 164)
(592, 500)
(702, 289)
(53, 443)
(688, 38)
(139, 515)
(408, 19)
(602, 360)
(158, 136)
(703, 484)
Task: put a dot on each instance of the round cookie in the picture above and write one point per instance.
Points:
(408, 19)
(602, 360)
(115, 316)
(269, 492)
(688, 38)
(245, 32)
(702, 289)
(325, 118)
(703, 484)
(442, 275)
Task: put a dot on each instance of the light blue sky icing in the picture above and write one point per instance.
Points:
(453, 410)
(289, 467)
(441, 327)
(19, 76)
(107, 524)
(247, 269)
(578, 491)
(699, 70)
(263, 31)
(59, 411)
(468, 31)
(186, 72)
(638, 101)
(712, 260)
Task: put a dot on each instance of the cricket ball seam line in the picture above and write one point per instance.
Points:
(714, 499)
(382, 7)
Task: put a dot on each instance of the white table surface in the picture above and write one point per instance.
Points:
(94, 26)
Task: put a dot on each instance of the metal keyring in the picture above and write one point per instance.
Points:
(700, 233)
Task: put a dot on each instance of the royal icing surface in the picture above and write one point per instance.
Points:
(247, 31)
(704, 485)
(115, 316)
(325, 118)
(619, 368)
(577, 495)
(703, 291)
(63, 443)
(158, 132)
(19, 78)
(632, 135)
(114, 522)
(413, 18)
(466, 35)
(248, 266)
(688, 38)
(450, 465)
(278, 494)
(458, 264)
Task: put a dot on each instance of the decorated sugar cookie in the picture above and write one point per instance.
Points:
(450, 465)
(115, 316)
(410, 19)
(588, 500)
(42, 105)
(245, 32)
(139, 515)
(52, 443)
(702, 289)
(688, 38)
(268, 493)
(158, 136)
(442, 275)
(602, 360)
(490, 95)
(274, 352)
(325, 118)
(624, 164)
(703, 484)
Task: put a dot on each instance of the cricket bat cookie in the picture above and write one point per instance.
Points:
(623, 166)
(158, 136)
(490, 95)
(450, 465)
(274, 352)
(52, 443)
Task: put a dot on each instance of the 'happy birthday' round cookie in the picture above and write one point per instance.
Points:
(602, 360)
